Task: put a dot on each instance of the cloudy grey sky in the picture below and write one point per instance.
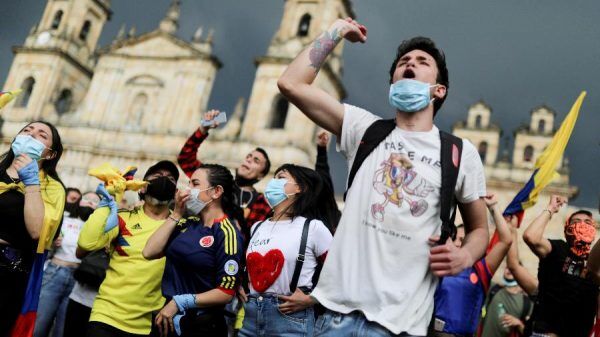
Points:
(513, 54)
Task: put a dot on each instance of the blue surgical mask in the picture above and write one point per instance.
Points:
(194, 205)
(25, 144)
(275, 192)
(410, 95)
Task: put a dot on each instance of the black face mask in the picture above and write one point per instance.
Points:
(72, 208)
(161, 189)
(243, 182)
(85, 212)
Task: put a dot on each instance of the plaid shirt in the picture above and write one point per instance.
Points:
(256, 211)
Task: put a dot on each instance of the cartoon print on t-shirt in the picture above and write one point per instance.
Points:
(398, 183)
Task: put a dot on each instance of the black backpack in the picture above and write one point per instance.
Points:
(450, 157)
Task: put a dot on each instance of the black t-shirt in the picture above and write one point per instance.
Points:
(567, 298)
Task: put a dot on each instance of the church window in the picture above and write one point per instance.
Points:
(483, 146)
(542, 126)
(304, 25)
(85, 30)
(528, 153)
(279, 112)
(57, 18)
(64, 101)
(137, 110)
(478, 121)
(27, 88)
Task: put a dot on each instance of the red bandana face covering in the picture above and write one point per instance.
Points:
(580, 237)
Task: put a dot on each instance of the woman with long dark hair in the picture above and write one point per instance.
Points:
(284, 254)
(32, 199)
(203, 255)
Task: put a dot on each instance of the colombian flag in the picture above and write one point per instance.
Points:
(53, 195)
(7, 96)
(545, 167)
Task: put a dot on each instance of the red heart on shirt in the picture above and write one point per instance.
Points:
(264, 270)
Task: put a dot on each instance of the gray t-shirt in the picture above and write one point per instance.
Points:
(513, 305)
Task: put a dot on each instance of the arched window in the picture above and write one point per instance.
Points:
(542, 126)
(279, 112)
(137, 109)
(304, 25)
(478, 121)
(85, 30)
(528, 153)
(57, 18)
(482, 150)
(27, 88)
(64, 101)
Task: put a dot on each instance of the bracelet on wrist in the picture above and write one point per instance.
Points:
(549, 212)
(173, 218)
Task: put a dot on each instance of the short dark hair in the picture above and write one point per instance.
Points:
(73, 189)
(581, 211)
(267, 167)
(427, 45)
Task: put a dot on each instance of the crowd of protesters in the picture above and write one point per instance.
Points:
(216, 257)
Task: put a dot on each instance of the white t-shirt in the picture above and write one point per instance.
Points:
(379, 260)
(83, 294)
(70, 233)
(275, 247)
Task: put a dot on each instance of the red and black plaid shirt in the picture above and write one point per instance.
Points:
(256, 211)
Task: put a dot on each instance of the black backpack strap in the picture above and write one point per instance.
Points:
(255, 229)
(300, 258)
(526, 307)
(374, 135)
(451, 152)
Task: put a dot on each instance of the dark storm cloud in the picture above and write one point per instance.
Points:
(514, 55)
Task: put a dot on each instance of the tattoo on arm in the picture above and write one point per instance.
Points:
(322, 47)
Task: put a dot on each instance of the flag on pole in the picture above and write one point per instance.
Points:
(544, 169)
(7, 96)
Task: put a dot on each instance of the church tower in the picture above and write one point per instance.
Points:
(270, 121)
(481, 132)
(54, 66)
(146, 97)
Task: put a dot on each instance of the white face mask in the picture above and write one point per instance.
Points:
(194, 205)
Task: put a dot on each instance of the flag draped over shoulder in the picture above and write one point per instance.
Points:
(53, 195)
(544, 169)
(7, 96)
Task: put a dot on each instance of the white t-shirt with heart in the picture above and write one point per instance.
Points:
(273, 250)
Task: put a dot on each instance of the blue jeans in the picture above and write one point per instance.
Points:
(263, 319)
(334, 324)
(57, 284)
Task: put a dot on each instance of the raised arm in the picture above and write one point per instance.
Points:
(93, 235)
(526, 281)
(296, 82)
(498, 252)
(155, 246)
(322, 165)
(188, 156)
(534, 234)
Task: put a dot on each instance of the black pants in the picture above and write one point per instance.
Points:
(78, 316)
(12, 293)
(207, 324)
(97, 329)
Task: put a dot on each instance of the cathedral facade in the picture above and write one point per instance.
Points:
(136, 101)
